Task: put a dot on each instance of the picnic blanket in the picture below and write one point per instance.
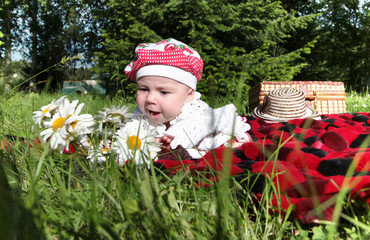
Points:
(309, 162)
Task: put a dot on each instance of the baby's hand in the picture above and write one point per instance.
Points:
(165, 140)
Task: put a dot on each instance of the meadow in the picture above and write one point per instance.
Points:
(47, 195)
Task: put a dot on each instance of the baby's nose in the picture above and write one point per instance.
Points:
(151, 97)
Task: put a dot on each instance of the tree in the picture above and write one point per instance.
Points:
(365, 64)
(241, 42)
(342, 49)
(9, 35)
(7, 23)
(55, 30)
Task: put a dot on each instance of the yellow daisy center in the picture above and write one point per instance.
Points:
(46, 110)
(73, 124)
(105, 150)
(133, 142)
(58, 123)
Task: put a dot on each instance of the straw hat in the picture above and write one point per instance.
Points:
(283, 104)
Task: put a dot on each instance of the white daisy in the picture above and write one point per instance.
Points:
(78, 130)
(66, 125)
(83, 124)
(84, 141)
(135, 141)
(56, 133)
(113, 118)
(47, 111)
(100, 155)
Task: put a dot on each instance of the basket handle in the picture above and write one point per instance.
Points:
(304, 89)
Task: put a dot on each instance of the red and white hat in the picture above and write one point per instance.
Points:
(167, 58)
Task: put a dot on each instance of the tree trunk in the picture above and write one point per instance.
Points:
(34, 41)
(8, 34)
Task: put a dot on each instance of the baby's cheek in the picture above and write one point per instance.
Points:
(142, 110)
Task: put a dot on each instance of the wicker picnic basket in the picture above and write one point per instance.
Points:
(325, 97)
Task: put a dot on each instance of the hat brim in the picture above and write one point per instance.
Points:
(310, 113)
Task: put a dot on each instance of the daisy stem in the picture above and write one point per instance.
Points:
(105, 136)
(114, 133)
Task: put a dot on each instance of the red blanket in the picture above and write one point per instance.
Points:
(309, 162)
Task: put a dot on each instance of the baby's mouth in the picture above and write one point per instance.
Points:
(154, 114)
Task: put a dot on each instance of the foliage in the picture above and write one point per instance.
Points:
(1, 34)
(47, 31)
(342, 50)
(241, 43)
(7, 23)
(12, 75)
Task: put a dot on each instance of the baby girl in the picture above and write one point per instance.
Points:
(167, 74)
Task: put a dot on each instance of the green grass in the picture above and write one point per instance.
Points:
(46, 195)
(356, 102)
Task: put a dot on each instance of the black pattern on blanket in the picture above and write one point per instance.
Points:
(308, 160)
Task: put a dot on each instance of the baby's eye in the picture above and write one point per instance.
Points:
(164, 92)
(142, 89)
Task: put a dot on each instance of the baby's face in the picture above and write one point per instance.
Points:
(162, 98)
